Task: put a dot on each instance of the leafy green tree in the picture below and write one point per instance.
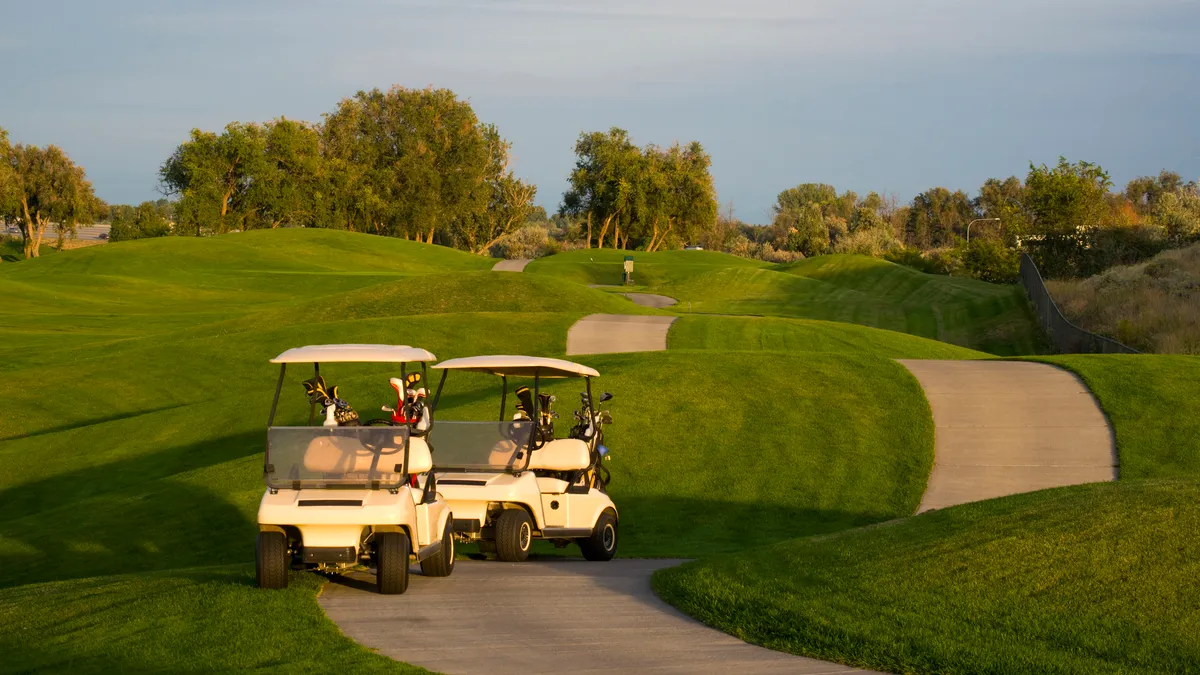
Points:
(1004, 199)
(144, 221)
(1145, 191)
(212, 174)
(509, 202)
(49, 187)
(937, 217)
(10, 185)
(1178, 213)
(609, 169)
(1066, 198)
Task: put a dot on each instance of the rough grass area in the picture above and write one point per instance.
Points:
(770, 334)
(144, 399)
(1153, 306)
(1090, 579)
(197, 620)
(1153, 405)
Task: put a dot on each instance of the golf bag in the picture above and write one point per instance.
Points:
(336, 410)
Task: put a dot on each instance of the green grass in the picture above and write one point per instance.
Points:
(133, 471)
(1090, 579)
(198, 620)
(744, 333)
(606, 266)
(1152, 403)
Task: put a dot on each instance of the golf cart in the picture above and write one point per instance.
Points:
(345, 492)
(511, 481)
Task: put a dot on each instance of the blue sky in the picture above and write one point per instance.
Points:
(887, 95)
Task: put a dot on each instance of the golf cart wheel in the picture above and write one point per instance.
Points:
(391, 562)
(271, 560)
(514, 535)
(602, 545)
(441, 564)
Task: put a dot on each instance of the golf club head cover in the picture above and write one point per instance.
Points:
(524, 402)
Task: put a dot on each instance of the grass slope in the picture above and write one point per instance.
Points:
(746, 333)
(1090, 579)
(606, 266)
(870, 292)
(133, 473)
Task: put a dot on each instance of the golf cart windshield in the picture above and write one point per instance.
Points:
(480, 446)
(316, 457)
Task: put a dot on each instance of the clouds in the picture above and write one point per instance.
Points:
(780, 91)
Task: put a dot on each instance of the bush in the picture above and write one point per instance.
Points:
(990, 260)
(874, 242)
(531, 241)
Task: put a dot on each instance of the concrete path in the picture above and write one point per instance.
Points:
(617, 333)
(651, 300)
(569, 616)
(516, 265)
(1005, 427)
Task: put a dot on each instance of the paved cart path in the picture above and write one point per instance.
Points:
(616, 333)
(651, 299)
(494, 618)
(516, 265)
(1005, 427)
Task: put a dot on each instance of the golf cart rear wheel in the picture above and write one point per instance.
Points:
(602, 545)
(271, 560)
(514, 535)
(441, 564)
(391, 562)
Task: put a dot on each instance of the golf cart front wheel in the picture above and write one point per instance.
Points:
(602, 544)
(514, 535)
(441, 564)
(271, 560)
(391, 562)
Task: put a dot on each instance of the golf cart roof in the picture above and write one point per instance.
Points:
(354, 354)
(527, 366)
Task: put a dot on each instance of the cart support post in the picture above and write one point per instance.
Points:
(278, 388)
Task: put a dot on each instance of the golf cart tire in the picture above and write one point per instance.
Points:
(514, 535)
(441, 564)
(271, 560)
(602, 544)
(391, 562)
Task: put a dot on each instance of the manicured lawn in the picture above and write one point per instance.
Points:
(195, 620)
(772, 334)
(870, 292)
(606, 266)
(144, 397)
(1089, 579)
(1153, 404)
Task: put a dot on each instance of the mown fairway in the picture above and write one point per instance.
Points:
(133, 470)
(844, 288)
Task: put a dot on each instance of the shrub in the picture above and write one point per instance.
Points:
(990, 260)
(876, 241)
(531, 241)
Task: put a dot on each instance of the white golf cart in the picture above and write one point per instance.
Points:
(345, 492)
(510, 481)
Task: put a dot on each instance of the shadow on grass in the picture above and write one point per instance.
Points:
(98, 420)
(28, 499)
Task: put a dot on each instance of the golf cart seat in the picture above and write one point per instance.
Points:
(563, 454)
(347, 456)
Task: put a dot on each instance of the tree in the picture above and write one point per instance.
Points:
(1067, 198)
(509, 202)
(49, 188)
(1178, 213)
(608, 170)
(10, 203)
(937, 217)
(1145, 191)
(1004, 199)
(212, 175)
(413, 161)
(148, 219)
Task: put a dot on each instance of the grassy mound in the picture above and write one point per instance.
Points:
(1091, 579)
(606, 266)
(870, 292)
(745, 333)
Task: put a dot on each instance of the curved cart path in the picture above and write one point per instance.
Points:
(617, 333)
(1005, 427)
(651, 299)
(515, 265)
(567, 616)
